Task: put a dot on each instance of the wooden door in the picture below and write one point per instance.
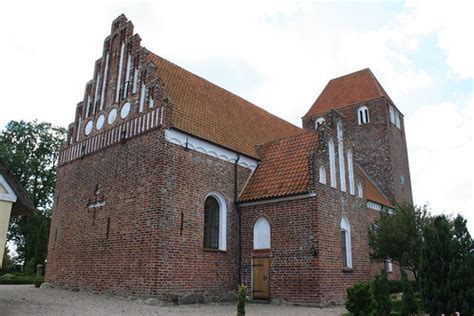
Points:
(261, 278)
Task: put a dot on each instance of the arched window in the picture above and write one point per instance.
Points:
(350, 167)
(346, 243)
(360, 192)
(261, 234)
(215, 222)
(340, 150)
(332, 163)
(320, 121)
(363, 115)
(322, 175)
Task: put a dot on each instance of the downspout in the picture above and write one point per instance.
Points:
(239, 257)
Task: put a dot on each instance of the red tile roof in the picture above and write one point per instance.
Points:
(354, 88)
(284, 169)
(373, 193)
(207, 111)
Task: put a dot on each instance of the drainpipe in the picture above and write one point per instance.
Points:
(239, 219)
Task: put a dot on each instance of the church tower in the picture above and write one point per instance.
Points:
(373, 124)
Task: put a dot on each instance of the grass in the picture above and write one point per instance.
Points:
(17, 278)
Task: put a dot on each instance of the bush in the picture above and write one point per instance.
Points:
(381, 297)
(359, 299)
(38, 281)
(409, 305)
(241, 298)
(396, 286)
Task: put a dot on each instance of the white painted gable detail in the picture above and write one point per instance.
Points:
(207, 148)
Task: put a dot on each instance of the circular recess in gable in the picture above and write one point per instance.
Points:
(125, 110)
(112, 116)
(88, 128)
(100, 122)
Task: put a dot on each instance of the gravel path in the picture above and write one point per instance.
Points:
(27, 300)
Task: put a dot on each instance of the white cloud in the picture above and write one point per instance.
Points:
(441, 151)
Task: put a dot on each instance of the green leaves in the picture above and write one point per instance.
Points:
(30, 150)
(399, 236)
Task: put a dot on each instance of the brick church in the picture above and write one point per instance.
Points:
(171, 185)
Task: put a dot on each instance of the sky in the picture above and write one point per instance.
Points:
(276, 54)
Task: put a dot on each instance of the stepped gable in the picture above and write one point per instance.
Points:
(210, 112)
(354, 88)
(284, 169)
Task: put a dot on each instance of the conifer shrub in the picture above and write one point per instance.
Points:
(241, 299)
(381, 296)
(359, 299)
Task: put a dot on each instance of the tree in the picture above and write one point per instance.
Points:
(408, 305)
(447, 283)
(381, 295)
(30, 150)
(359, 299)
(398, 236)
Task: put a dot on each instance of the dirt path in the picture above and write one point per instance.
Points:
(27, 300)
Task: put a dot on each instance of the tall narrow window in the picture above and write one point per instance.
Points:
(389, 265)
(350, 167)
(360, 192)
(397, 120)
(261, 234)
(346, 243)
(363, 115)
(322, 175)
(392, 115)
(340, 150)
(211, 223)
(332, 163)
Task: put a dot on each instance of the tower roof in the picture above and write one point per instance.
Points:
(354, 88)
(210, 112)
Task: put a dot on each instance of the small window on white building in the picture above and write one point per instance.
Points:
(363, 115)
(261, 234)
(360, 192)
(322, 175)
(320, 121)
(346, 243)
(332, 163)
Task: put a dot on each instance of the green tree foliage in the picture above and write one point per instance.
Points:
(241, 298)
(30, 150)
(446, 276)
(408, 305)
(398, 236)
(381, 296)
(359, 299)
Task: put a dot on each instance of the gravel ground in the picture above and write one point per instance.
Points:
(27, 300)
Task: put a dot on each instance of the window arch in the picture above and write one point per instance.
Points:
(332, 163)
(215, 221)
(350, 167)
(360, 191)
(322, 175)
(363, 115)
(340, 155)
(346, 243)
(261, 234)
(320, 121)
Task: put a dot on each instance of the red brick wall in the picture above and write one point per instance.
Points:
(301, 227)
(147, 183)
(380, 147)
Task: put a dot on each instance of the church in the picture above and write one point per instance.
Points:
(170, 185)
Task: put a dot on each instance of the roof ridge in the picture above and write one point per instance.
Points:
(223, 89)
(351, 74)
